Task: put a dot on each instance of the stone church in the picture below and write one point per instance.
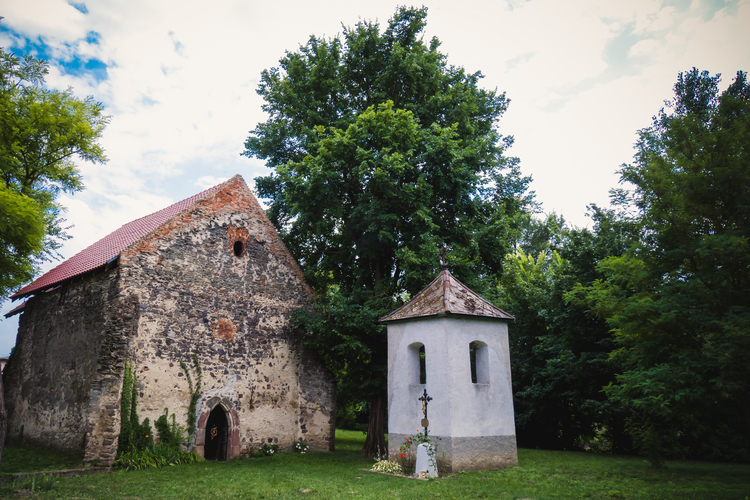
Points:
(207, 276)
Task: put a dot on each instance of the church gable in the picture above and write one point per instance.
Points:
(101, 254)
(215, 280)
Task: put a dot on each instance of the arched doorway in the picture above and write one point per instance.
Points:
(227, 424)
(217, 435)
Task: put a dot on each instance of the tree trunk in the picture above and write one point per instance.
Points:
(745, 409)
(375, 442)
(3, 418)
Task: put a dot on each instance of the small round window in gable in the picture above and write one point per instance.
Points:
(237, 238)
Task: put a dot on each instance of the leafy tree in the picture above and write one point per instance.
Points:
(381, 151)
(22, 229)
(559, 351)
(679, 302)
(41, 132)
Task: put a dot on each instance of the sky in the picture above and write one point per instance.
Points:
(178, 78)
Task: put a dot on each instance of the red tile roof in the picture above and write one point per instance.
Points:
(109, 247)
(446, 295)
(15, 310)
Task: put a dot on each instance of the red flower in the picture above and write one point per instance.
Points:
(410, 441)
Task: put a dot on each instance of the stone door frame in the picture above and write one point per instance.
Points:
(233, 427)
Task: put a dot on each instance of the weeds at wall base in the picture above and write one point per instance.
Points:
(35, 483)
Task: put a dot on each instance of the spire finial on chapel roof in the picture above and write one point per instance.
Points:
(443, 250)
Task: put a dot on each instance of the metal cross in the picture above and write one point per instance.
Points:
(443, 262)
(425, 399)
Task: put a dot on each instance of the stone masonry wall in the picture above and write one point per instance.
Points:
(317, 401)
(196, 296)
(54, 366)
(103, 412)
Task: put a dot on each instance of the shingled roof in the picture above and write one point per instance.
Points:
(108, 248)
(446, 295)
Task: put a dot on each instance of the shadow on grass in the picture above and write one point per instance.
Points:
(350, 441)
(541, 475)
(28, 459)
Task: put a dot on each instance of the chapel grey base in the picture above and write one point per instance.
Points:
(470, 453)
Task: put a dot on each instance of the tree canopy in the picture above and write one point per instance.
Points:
(382, 151)
(42, 131)
(559, 351)
(679, 300)
(346, 119)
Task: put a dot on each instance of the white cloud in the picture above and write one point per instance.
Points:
(56, 20)
(208, 181)
(644, 48)
(182, 78)
(719, 45)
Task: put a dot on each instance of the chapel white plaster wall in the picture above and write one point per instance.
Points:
(459, 408)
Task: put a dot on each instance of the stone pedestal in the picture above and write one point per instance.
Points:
(425, 462)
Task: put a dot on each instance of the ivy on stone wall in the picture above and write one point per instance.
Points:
(134, 435)
(194, 394)
(136, 448)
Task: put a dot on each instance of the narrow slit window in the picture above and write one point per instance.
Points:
(416, 365)
(422, 366)
(473, 360)
(238, 248)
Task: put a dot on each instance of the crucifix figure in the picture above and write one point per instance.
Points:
(425, 399)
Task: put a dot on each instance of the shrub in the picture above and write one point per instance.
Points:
(155, 456)
(136, 448)
(267, 450)
(170, 434)
(142, 436)
(387, 466)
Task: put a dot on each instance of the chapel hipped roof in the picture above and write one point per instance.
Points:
(446, 295)
(108, 248)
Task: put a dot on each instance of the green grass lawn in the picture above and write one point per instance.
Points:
(540, 475)
(22, 459)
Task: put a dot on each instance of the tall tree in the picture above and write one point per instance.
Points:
(559, 351)
(679, 302)
(381, 151)
(41, 132)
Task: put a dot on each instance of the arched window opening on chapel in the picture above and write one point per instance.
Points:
(238, 248)
(417, 364)
(479, 361)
